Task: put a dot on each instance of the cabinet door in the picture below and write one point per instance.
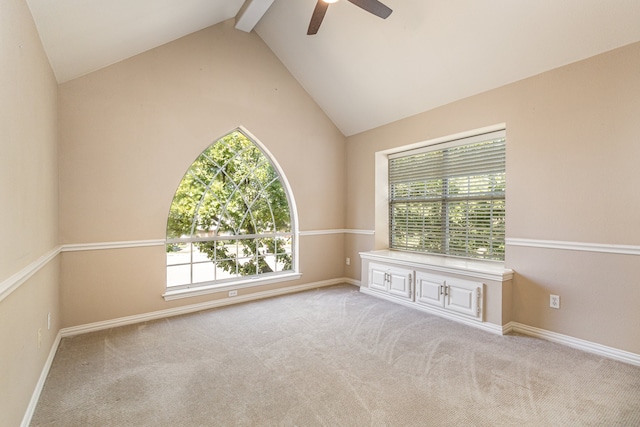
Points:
(378, 277)
(464, 297)
(400, 283)
(429, 289)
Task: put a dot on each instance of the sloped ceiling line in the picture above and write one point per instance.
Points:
(364, 72)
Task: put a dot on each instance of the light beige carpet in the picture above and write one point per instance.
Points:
(330, 357)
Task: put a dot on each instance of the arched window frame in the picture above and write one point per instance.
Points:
(231, 285)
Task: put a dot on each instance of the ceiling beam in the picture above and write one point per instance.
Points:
(250, 13)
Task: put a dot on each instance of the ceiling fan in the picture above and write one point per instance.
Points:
(371, 6)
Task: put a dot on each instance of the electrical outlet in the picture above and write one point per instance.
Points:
(348, 261)
(233, 293)
(39, 337)
(554, 301)
(49, 321)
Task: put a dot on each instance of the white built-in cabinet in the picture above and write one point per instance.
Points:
(391, 280)
(451, 288)
(456, 295)
(431, 290)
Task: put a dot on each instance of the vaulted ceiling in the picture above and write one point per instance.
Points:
(363, 71)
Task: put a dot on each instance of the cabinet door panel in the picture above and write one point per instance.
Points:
(400, 283)
(429, 289)
(377, 278)
(464, 297)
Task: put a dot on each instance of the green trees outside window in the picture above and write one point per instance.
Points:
(450, 200)
(230, 217)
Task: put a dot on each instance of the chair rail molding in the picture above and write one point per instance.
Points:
(13, 282)
(336, 231)
(575, 246)
(76, 247)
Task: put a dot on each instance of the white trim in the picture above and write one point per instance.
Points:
(320, 232)
(251, 13)
(129, 320)
(112, 245)
(31, 408)
(357, 231)
(485, 326)
(249, 282)
(351, 281)
(590, 347)
(336, 231)
(577, 343)
(293, 207)
(160, 242)
(478, 269)
(381, 201)
(13, 282)
(123, 321)
(447, 138)
(450, 143)
(575, 246)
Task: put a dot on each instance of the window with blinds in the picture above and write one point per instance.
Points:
(449, 198)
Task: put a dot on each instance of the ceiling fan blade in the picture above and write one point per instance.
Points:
(373, 6)
(317, 17)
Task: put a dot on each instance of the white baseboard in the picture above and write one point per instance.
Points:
(599, 349)
(588, 346)
(92, 327)
(192, 308)
(485, 326)
(351, 281)
(577, 343)
(26, 420)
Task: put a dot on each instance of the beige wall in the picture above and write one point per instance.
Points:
(98, 159)
(129, 132)
(114, 283)
(572, 175)
(28, 216)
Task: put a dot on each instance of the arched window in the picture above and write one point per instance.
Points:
(230, 219)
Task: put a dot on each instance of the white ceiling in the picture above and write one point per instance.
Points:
(363, 71)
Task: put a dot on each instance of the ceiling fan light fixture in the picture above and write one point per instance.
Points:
(371, 6)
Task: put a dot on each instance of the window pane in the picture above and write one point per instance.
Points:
(178, 253)
(449, 200)
(183, 207)
(178, 275)
(232, 189)
(226, 258)
(207, 218)
(284, 254)
(203, 272)
(203, 251)
(279, 206)
(222, 274)
(267, 246)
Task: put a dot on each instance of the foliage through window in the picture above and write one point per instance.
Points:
(450, 198)
(230, 217)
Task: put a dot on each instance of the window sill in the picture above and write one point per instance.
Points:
(198, 290)
(491, 270)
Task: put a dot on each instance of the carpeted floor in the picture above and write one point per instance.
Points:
(329, 357)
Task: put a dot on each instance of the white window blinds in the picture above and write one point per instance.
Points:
(449, 198)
